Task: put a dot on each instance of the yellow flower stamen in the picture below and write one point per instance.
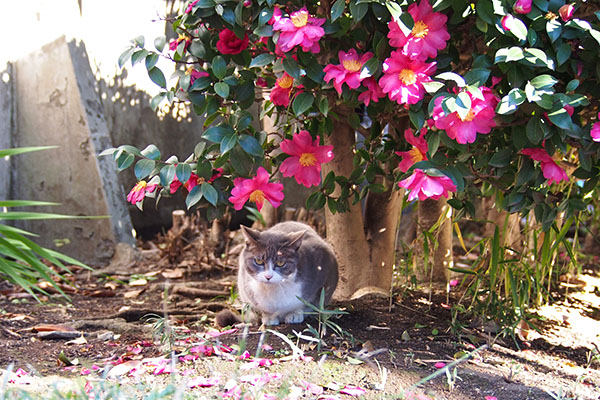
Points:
(408, 76)
(285, 82)
(183, 37)
(300, 19)
(141, 185)
(352, 65)
(415, 155)
(258, 196)
(189, 70)
(420, 29)
(308, 159)
(469, 117)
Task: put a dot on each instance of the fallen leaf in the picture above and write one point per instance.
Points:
(123, 368)
(172, 273)
(52, 328)
(405, 336)
(133, 293)
(80, 340)
(138, 282)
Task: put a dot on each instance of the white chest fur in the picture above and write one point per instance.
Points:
(277, 298)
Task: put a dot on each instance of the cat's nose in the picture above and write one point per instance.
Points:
(268, 276)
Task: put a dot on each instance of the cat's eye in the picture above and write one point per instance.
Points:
(280, 263)
(258, 261)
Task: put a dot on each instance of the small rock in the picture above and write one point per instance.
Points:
(105, 336)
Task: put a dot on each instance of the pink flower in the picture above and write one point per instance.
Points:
(173, 44)
(550, 169)
(424, 186)
(229, 43)
(257, 190)
(595, 131)
(299, 29)
(201, 381)
(453, 282)
(490, 398)
(428, 35)
(261, 82)
(522, 6)
(403, 78)
(195, 74)
(566, 11)
(306, 157)
(348, 71)
(373, 92)
(280, 94)
(276, 15)
(479, 119)
(417, 153)
(353, 390)
(507, 22)
(194, 180)
(139, 191)
(439, 365)
(191, 6)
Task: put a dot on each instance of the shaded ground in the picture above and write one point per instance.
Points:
(385, 345)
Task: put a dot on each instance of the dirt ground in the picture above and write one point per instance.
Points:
(386, 344)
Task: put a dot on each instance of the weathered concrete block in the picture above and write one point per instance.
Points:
(57, 104)
(6, 122)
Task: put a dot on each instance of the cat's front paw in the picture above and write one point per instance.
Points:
(294, 318)
(268, 320)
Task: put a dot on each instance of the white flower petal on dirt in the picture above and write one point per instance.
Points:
(311, 388)
(123, 368)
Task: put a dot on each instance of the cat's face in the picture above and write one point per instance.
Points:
(271, 258)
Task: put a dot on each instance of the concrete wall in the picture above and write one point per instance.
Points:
(56, 104)
(6, 122)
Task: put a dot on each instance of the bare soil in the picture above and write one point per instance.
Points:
(407, 334)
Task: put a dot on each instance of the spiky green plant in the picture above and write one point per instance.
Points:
(20, 257)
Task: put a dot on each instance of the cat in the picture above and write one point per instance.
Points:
(277, 266)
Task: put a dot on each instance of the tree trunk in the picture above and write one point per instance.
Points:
(440, 248)
(508, 226)
(364, 245)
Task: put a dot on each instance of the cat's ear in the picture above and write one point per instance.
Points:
(294, 240)
(251, 235)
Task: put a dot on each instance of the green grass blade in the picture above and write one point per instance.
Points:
(21, 150)
(26, 215)
(25, 203)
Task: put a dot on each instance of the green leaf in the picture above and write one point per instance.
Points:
(166, 175)
(210, 193)
(554, 29)
(511, 102)
(536, 129)
(560, 117)
(183, 172)
(261, 60)
(228, 141)
(156, 100)
(143, 168)
(358, 11)
(151, 60)
(563, 53)
(222, 89)
(477, 76)
(151, 151)
(160, 42)
(126, 55)
(544, 81)
(316, 201)
(452, 76)
(251, 145)
(501, 158)
(216, 133)
(194, 196)
(371, 68)
(219, 67)
(291, 67)
(572, 85)
(125, 161)
(139, 41)
(302, 103)
(138, 56)
(338, 9)
(157, 77)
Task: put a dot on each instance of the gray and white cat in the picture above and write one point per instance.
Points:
(283, 263)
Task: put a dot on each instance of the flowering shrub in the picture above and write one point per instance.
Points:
(500, 91)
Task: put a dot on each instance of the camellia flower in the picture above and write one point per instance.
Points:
(595, 131)
(550, 169)
(229, 43)
(195, 74)
(417, 153)
(479, 119)
(299, 29)
(257, 190)
(280, 94)
(403, 78)
(507, 22)
(566, 11)
(424, 186)
(139, 191)
(428, 35)
(194, 180)
(173, 44)
(348, 71)
(373, 92)
(522, 6)
(306, 157)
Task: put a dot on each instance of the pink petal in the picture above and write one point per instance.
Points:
(353, 390)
